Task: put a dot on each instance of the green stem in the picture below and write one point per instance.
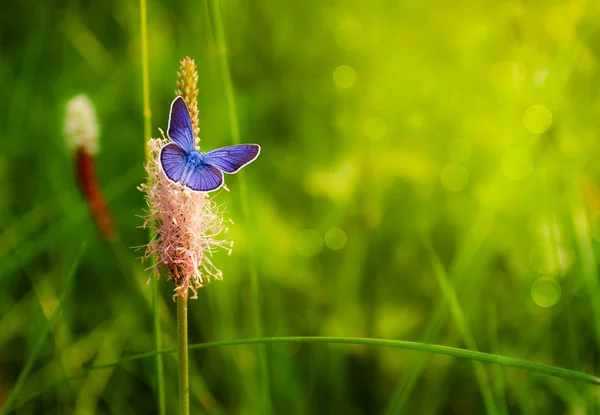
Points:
(182, 355)
(145, 77)
(221, 43)
(162, 405)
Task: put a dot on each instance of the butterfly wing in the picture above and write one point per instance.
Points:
(173, 159)
(203, 178)
(180, 125)
(231, 159)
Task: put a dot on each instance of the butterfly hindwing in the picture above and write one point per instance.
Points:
(183, 163)
(203, 178)
(173, 159)
(180, 125)
(231, 159)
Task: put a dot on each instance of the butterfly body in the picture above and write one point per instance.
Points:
(192, 160)
(183, 163)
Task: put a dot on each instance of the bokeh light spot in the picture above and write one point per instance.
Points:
(459, 150)
(375, 128)
(545, 292)
(349, 34)
(540, 76)
(506, 76)
(416, 120)
(537, 119)
(455, 177)
(550, 260)
(335, 239)
(344, 76)
(517, 164)
(309, 243)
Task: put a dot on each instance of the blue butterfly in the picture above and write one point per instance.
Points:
(203, 172)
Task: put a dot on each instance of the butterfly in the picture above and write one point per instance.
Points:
(183, 163)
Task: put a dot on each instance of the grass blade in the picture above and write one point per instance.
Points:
(235, 132)
(42, 337)
(459, 278)
(461, 322)
(160, 381)
(496, 359)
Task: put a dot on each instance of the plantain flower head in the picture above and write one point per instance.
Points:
(81, 132)
(188, 226)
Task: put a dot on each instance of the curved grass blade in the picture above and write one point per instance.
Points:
(496, 359)
(463, 327)
(459, 278)
(14, 393)
(160, 381)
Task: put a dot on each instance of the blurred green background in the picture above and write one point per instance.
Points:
(402, 143)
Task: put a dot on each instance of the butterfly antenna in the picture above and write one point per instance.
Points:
(162, 132)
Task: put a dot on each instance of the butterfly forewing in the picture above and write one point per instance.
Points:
(182, 163)
(180, 125)
(231, 159)
(203, 178)
(173, 159)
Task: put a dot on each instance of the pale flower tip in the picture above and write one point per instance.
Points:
(81, 126)
(162, 133)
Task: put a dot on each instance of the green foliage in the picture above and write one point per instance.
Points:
(427, 174)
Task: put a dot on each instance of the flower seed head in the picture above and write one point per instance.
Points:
(188, 226)
(187, 87)
(81, 127)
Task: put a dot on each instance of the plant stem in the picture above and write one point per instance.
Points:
(160, 384)
(182, 355)
(162, 403)
(145, 77)
(221, 42)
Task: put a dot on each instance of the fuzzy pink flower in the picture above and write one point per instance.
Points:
(188, 227)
